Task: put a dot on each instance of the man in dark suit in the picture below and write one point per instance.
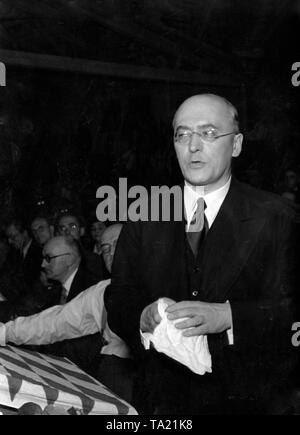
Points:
(72, 225)
(63, 263)
(27, 252)
(232, 280)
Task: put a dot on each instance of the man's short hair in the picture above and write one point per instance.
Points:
(234, 114)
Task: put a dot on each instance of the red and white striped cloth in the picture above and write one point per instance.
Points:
(27, 376)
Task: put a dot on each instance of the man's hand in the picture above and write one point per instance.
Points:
(202, 317)
(150, 317)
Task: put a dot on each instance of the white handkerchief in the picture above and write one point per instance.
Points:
(193, 352)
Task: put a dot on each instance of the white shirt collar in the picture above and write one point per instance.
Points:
(67, 284)
(213, 201)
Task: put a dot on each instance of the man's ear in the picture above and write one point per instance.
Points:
(51, 230)
(237, 145)
(70, 259)
(82, 231)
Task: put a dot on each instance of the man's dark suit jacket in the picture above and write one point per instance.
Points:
(83, 351)
(32, 263)
(248, 258)
(93, 263)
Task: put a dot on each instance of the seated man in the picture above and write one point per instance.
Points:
(83, 315)
(72, 226)
(66, 276)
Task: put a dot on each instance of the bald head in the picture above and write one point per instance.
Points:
(61, 258)
(197, 101)
(109, 241)
(64, 243)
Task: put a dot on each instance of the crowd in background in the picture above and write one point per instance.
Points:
(39, 257)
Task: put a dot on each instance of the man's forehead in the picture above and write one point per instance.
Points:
(207, 109)
(68, 220)
(38, 223)
(110, 235)
(54, 245)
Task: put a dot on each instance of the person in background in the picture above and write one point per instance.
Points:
(42, 229)
(13, 287)
(97, 229)
(83, 315)
(28, 253)
(73, 226)
(290, 188)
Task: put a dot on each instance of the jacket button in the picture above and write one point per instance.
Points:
(195, 293)
(196, 269)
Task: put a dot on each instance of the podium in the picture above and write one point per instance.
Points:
(27, 376)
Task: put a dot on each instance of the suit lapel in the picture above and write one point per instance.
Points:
(228, 244)
(76, 286)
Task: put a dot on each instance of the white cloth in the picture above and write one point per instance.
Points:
(193, 352)
(79, 317)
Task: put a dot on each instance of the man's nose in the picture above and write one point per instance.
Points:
(196, 143)
(44, 264)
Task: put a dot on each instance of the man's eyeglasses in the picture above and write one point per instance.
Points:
(69, 227)
(48, 258)
(184, 136)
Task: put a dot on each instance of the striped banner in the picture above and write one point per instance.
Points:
(27, 376)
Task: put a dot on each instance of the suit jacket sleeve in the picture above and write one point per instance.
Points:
(126, 298)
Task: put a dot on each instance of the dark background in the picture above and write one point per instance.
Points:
(92, 86)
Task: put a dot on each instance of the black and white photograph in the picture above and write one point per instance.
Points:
(149, 210)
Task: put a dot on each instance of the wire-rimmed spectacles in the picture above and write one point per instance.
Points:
(184, 135)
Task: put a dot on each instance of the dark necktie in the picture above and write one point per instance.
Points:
(196, 230)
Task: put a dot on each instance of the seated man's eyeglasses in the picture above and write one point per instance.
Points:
(48, 258)
(69, 227)
(207, 134)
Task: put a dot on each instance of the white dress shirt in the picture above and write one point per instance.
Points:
(213, 201)
(79, 317)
